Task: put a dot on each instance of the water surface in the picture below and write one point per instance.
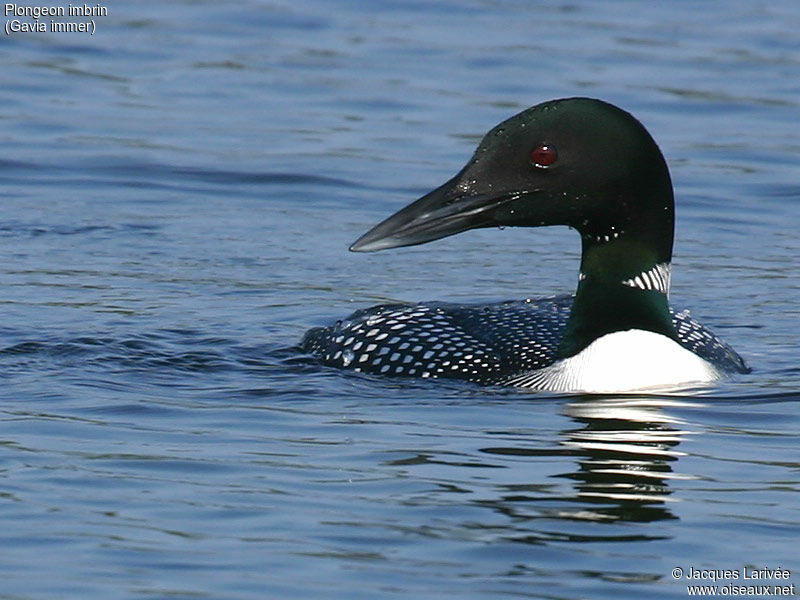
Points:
(179, 191)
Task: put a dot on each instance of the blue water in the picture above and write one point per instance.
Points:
(178, 194)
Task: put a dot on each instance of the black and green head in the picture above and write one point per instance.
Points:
(578, 162)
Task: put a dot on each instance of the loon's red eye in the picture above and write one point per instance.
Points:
(543, 155)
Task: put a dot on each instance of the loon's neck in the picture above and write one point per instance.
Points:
(623, 284)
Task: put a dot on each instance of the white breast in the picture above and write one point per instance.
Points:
(623, 361)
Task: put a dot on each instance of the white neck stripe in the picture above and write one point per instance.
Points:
(656, 278)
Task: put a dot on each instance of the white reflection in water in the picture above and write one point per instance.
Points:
(627, 447)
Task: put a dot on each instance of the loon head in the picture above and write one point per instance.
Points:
(579, 162)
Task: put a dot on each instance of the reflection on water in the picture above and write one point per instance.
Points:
(625, 451)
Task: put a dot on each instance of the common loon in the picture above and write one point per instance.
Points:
(579, 162)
